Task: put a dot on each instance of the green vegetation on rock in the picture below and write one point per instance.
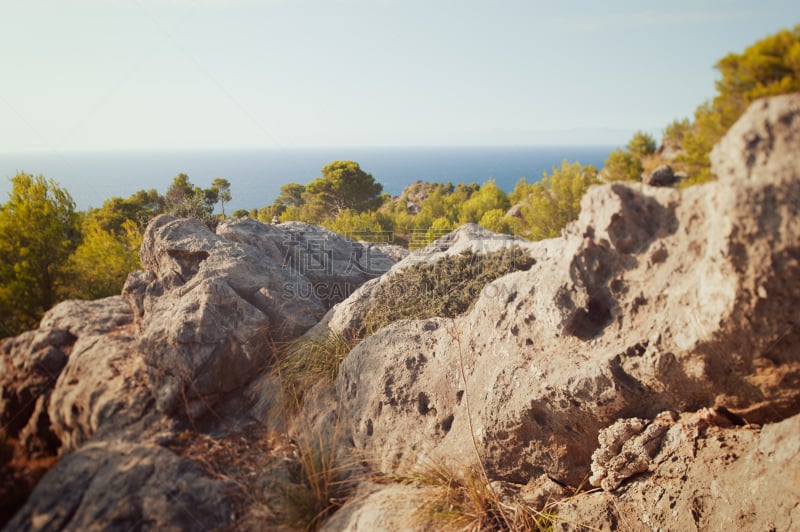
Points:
(769, 67)
(49, 251)
(445, 289)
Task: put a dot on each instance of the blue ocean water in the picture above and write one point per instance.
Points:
(256, 175)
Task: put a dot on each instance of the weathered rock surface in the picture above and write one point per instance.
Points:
(72, 345)
(654, 300)
(704, 477)
(208, 304)
(626, 448)
(122, 485)
(651, 350)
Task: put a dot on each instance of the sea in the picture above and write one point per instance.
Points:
(256, 175)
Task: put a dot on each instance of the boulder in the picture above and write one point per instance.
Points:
(654, 300)
(375, 507)
(333, 265)
(663, 176)
(93, 382)
(652, 349)
(209, 306)
(762, 144)
(515, 211)
(703, 476)
(102, 388)
(75, 377)
(34, 392)
(122, 485)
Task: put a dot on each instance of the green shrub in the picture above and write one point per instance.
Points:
(769, 67)
(548, 206)
(445, 288)
(623, 166)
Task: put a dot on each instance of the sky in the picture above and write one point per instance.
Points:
(106, 75)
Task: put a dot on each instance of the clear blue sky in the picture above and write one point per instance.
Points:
(142, 74)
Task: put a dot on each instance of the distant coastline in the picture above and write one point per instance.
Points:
(256, 175)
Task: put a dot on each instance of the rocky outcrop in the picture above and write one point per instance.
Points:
(654, 300)
(107, 384)
(208, 305)
(123, 485)
(705, 475)
(58, 384)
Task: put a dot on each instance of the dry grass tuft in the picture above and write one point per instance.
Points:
(306, 362)
(461, 499)
(326, 477)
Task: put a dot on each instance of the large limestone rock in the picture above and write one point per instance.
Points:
(121, 485)
(663, 176)
(654, 300)
(75, 378)
(652, 350)
(60, 383)
(704, 475)
(208, 306)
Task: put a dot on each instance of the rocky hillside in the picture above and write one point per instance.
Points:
(640, 372)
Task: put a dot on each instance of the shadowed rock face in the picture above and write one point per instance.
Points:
(123, 485)
(654, 300)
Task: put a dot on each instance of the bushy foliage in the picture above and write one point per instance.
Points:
(675, 131)
(325, 479)
(50, 252)
(623, 166)
(769, 67)
(497, 221)
(139, 208)
(101, 263)
(548, 206)
(446, 288)
(186, 200)
(641, 144)
(343, 186)
(461, 498)
(487, 198)
(370, 226)
(424, 212)
(39, 229)
(306, 362)
(221, 190)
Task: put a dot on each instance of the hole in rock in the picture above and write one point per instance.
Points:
(590, 321)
